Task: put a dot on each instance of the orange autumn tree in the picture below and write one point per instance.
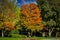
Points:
(9, 25)
(31, 17)
(7, 15)
(7, 22)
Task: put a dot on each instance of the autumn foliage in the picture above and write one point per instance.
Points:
(31, 17)
(9, 25)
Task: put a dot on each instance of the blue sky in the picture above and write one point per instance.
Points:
(21, 2)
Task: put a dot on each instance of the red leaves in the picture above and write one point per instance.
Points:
(45, 28)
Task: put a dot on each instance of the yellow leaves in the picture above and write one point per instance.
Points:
(1, 24)
(39, 28)
(31, 16)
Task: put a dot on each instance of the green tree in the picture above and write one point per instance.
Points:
(48, 15)
(56, 7)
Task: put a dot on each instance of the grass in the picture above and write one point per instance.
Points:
(37, 38)
(10, 38)
(46, 38)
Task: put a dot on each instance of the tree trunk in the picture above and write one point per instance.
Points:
(29, 34)
(50, 33)
(2, 33)
(43, 34)
(57, 34)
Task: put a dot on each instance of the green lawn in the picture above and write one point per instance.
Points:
(10, 38)
(37, 38)
(46, 38)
